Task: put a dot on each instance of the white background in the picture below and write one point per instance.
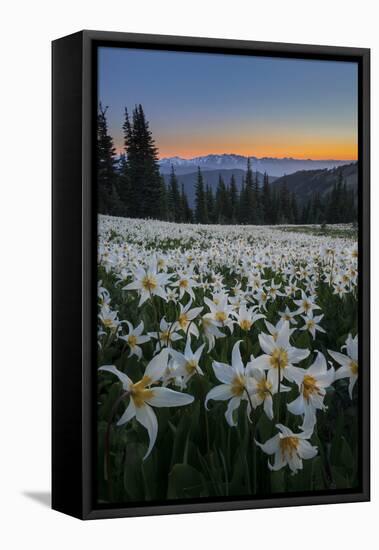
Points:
(26, 31)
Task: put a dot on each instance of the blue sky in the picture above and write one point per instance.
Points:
(205, 103)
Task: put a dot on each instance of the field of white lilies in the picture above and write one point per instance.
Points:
(227, 361)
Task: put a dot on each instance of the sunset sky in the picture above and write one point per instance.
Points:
(199, 104)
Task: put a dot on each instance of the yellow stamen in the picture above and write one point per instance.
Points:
(354, 367)
(279, 358)
(309, 386)
(166, 337)
(139, 393)
(288, 446)
(220, 316)
(263, 388)
(191, 366)
(238, 386)
(132, 340)
(245, 324)
(183, 320)
(149, 282)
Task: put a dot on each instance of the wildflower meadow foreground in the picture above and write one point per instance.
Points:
(227, 361)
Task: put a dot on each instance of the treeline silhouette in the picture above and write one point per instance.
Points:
(132, 186)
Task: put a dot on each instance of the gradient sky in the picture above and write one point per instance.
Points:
(199, 103)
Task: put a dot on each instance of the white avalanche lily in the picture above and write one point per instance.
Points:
(234, 387)
(306, 304)
(312, 323)
(149, 283)
(247, 317)
(220, 311)
(312, 383)
(187, 363)
(288, 448)
(186, 316)
(166, 335)
(134, 338)
(144, 395)
(109, 318)
(185, 283)
(348, 362)
(211, 332)
(262, 390)
(279, 355)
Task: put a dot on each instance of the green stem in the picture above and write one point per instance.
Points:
(278, 400)
(157, 327)
(107, 454)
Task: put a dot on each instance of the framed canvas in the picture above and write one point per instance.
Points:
(210, 275)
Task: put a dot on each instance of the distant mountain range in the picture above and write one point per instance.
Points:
(211, 178)
(273, 166)
(304, 183)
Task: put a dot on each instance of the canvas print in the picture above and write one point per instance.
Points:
(227, 307)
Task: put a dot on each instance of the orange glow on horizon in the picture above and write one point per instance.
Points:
(325, 151)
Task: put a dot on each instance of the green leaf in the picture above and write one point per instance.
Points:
(184, 481)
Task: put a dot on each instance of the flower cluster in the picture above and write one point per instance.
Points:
(245, 308)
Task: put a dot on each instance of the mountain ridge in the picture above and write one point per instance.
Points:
(274, 166)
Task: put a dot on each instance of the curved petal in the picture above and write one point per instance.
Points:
(295, 355)
(273, 377)
(146, 416)
(164, 397)
(267, 407)
(178, 357)
(194, 313)
(319, 365)
(297, 406)
(198, 352)
(223, 372)
(262, 362)
(233, 404)
(327, 378)
(306, 450)
(139, 330)
(143, 339)
(219, 393)
(120, 375)
(342, 372)
(157, 366)
(266, 342)
(295, 463)
(271, 445)
(236, 358)
(129, 413)
(285, 431)
(353, 380)
(279, 462)
(292, 373)
(283, 337)
(340, 358)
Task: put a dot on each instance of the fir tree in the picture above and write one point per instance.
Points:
(163, 200)
(210, 204)
(249, 206)
(200, 200)
(266, 200)
(187, 212)
(142, 167)
(106, 158)
(233, 197)
(174, 206)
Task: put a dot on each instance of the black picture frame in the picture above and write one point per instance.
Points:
(74, 267)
